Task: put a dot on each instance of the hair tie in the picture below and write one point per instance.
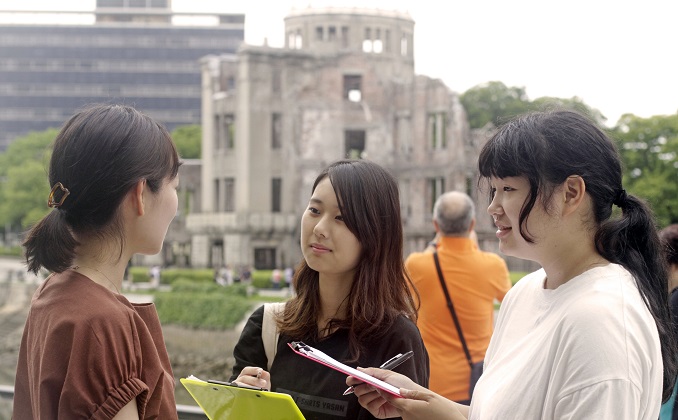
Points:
(619, 198)
(64, 193)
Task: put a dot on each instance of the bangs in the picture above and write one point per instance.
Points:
(511, 152)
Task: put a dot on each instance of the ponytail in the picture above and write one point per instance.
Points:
(50, 244)
(632, 241)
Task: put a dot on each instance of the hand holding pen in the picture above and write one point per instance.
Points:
(390, 364)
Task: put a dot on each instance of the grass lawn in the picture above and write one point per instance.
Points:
(517, 275)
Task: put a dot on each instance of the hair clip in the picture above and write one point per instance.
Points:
(50, 201)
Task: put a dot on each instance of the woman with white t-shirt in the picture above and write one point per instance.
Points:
(589, 334)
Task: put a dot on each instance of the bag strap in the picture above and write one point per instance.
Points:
(450, 306)
(269, 330)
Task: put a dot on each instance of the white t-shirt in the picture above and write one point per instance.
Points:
(586, 350)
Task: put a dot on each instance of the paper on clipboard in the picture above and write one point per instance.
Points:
(322, 358)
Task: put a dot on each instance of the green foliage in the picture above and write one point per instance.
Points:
(261, 279)
(188, 140)
(649, 149)
(495, 103)
(170, 275)
(11, 251)
(516, 275)
(24, 186)
(201, 310)
(182, 285)
(546, 102)
(139, 274)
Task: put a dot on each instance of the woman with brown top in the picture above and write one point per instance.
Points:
(87, 352)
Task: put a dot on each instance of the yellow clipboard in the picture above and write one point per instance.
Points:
(227, 402)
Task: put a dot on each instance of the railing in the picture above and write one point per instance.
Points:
(186, 412)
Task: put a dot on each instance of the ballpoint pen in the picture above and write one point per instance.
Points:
(390, 364)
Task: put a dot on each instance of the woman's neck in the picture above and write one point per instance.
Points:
(105, 271)
(333, 298)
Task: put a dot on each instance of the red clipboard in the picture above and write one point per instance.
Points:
(322, 358)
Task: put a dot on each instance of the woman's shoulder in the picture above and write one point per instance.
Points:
(404, 326)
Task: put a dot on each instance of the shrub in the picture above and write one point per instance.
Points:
(182, 285)
(169, 275)
(516, 275)
(139, 274)
(201, 310)
(261, 279)
(11, 251)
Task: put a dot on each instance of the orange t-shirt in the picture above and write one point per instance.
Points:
(474, 280)
(86, 352)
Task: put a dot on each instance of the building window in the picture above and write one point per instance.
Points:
(344, 36)
(319, 32)
(387, 40)
(276, 130)
(276, 80)
(354, 143)
(367, 41)
(298, 40)
(404, 47)
(331, 33)
(435, 187)
(264, 258)
(229, 194)
(294, 40)
(228, 129)
(436, 131)
(218, 136)
(217, 196)
(224, 132)
(276, 188)
(377, 44)
(352, 87)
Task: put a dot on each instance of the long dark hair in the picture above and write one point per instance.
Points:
(99, 155)
(548, 147)
(369, 203)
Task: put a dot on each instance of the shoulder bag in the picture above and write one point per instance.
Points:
(476, 368)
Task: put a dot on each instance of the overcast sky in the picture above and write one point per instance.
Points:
(616, 55)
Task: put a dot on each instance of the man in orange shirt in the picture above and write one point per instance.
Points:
(474, 280)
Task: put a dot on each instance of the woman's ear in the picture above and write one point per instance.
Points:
(574, 190)
(138, 197)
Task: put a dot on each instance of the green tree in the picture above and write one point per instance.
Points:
(649, 149)
(547, 102)
(188, 139)
(23, 179)
(493, 102)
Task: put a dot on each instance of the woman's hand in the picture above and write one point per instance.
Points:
(417, 402)
(254, 376)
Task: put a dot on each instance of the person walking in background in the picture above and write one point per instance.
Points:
(669, 238)
(589, 335)
(154, 274)
(86, 351)
(352, 298)
(276, 277)
(474, 279)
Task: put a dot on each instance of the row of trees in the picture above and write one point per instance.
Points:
(649, 148)
(23, 174)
